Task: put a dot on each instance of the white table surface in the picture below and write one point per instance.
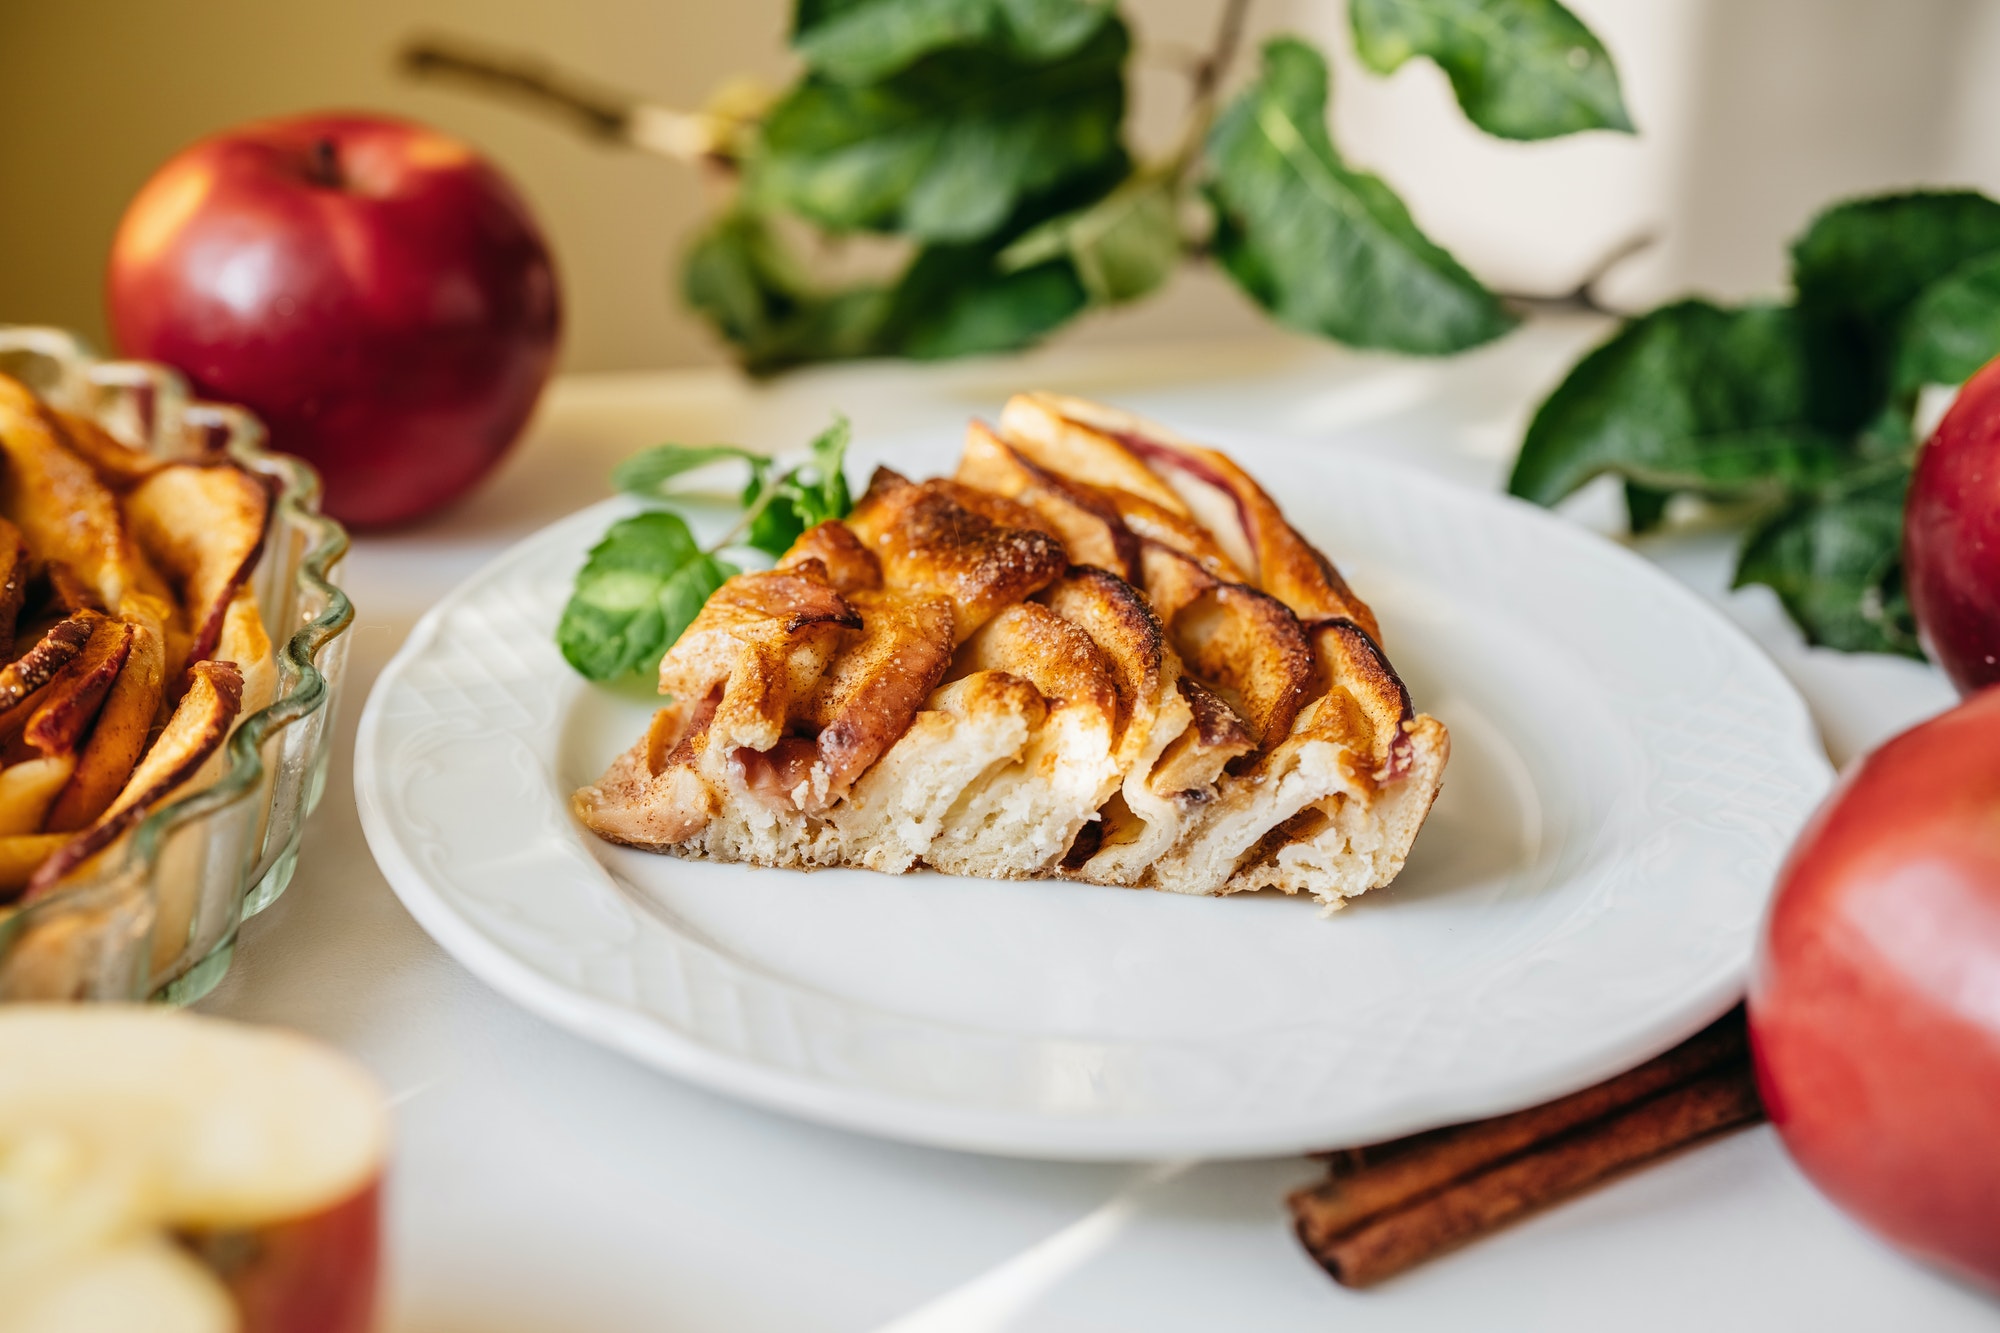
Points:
(542, 1184)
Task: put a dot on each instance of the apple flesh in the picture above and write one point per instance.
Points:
(1951, 536)
(373, 290)
(171, 1172)
(1875, 999)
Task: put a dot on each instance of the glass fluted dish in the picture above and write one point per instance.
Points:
(157, 917)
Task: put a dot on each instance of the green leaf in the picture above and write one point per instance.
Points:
(949, 148)
(822, 480)
(808, 495)
(1951, 329)
(1859, 268)
(1834, 559)
(741, 278)
(639, 589)
(955, 300)
(1688, 398)
(1522, 69)
(1122, 247)
(647, 473)
(861, 41)
(1645, 508)
(1323, 247)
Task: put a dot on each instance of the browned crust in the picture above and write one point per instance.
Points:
(1058, 658)
(1354, 662)
(1084, 517)
(850, 566)
(1215, 738)
(652, 796)
(1244, 642)
(1288, 566)
(874, 687)
(1121, 622)
(928, 541)
(770, 614)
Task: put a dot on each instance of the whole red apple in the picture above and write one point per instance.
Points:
(1875, 1001)
(372, 289)
(1951, 536)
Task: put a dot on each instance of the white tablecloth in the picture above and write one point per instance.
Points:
(544, 1185)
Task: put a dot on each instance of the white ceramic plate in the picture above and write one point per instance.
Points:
(1626, 772)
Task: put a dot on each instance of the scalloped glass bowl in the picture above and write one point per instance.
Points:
(158, 918)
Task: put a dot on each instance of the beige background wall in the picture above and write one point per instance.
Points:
(1753, 111)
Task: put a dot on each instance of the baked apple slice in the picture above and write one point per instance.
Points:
(61, 507)
(203, 526)
(177, 1173)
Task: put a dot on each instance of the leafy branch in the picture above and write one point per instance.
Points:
(987, 137)
(1801, 416)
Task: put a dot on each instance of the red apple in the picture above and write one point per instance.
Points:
(1951, 536)
(372, 289)
(1875, 1001)
(165, 1171)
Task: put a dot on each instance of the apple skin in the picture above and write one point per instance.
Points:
(315, 1274)
(1951, 536)
(373, 290)
(1875, 997)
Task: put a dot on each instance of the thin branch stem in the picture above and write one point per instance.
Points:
(773, 482)
(1584, 295)
(601, 113)
(1209, 73)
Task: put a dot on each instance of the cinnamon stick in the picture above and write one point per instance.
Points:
(1388, 1207)
(1372, 1180)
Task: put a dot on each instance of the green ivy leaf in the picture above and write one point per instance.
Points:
(741, 278)
(1321, 246)
(1688, 398)
(639, 589)
(1645, 508)
(861, 41)
(1522, 69)
(949, 148)
(956, 301)
(647, 473)
(1834, 559)
(1859, 268)
(1122, 247)
(1951, 329)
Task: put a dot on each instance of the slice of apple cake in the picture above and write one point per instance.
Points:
(1098, 652)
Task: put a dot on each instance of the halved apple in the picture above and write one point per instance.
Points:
(164, 1171)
